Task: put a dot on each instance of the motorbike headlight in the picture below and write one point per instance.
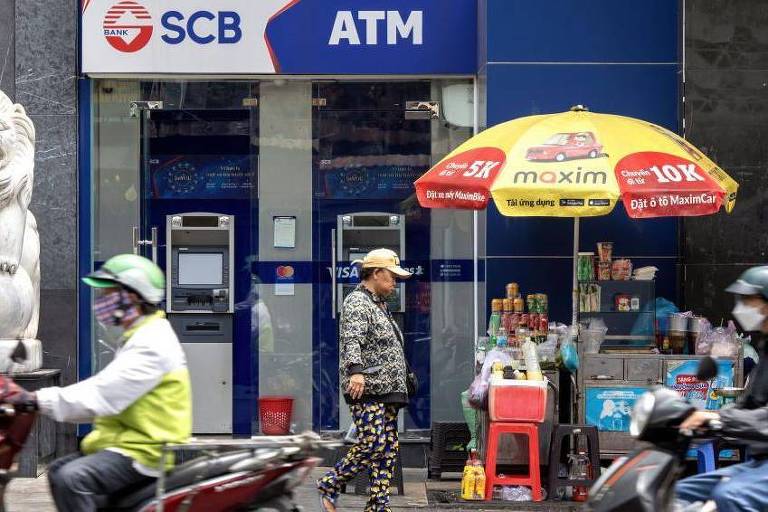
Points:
(641, 413)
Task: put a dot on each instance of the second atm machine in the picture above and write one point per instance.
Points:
(200, 306)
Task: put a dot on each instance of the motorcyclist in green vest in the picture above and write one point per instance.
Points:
(137, 403)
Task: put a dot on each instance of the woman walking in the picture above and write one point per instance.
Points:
(376, 380)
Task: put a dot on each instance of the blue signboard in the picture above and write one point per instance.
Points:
(375, 36)
(610, 408)
(201, 176)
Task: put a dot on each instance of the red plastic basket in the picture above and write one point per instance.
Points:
(275, 413)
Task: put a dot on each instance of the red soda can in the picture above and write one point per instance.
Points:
(543, 323)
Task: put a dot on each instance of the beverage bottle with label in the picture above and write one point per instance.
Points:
(468, 482)
(501, 338)
(507, 314)
(495, 321)
(480, 480)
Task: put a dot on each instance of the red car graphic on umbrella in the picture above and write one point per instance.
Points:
(566, 146)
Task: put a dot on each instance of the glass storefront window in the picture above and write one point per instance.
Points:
(314, 174)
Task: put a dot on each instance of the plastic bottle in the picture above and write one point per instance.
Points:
(580, 470)
(507, 314)
(468, 480)
(480, 480)
(495, 321)
(501, 338)
(531, 356)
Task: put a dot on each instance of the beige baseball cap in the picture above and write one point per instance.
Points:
(383, 258)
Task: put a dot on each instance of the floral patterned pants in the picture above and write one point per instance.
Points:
(375, 451)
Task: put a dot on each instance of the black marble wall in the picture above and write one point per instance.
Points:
(726, 114)
(7, 51)
(46, 84)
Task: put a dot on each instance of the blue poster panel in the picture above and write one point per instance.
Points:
(368, 182)
(610, 408)
(202, 176)
(681, 376)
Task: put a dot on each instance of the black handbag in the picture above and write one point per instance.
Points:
(411, 381)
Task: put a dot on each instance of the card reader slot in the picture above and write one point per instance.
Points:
(203, 329)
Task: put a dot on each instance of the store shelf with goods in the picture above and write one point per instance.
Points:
(627, 308)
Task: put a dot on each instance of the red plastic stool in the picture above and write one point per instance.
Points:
(533, 479)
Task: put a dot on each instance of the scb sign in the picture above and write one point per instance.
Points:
(128, 26)
(278, 36)
(202, 27)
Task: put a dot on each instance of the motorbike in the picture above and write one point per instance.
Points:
(644, 480)
(258, 474)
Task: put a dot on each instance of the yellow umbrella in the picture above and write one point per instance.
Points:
(578, 164)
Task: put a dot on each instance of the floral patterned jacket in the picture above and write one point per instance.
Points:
(371, 344)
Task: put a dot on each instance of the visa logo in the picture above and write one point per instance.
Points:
(347, 29)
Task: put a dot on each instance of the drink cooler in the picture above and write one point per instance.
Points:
(517, 400)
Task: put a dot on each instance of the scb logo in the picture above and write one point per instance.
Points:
(128, 27)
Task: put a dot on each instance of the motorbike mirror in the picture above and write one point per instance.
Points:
(19, 354)
(707, 369)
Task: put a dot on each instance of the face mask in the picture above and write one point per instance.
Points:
(749, 317)
(114, 309)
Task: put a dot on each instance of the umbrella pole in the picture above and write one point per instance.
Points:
(575, 282)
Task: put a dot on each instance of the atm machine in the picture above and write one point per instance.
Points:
(356, 235)
(200, 306)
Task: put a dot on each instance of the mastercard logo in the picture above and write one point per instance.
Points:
(285, 271)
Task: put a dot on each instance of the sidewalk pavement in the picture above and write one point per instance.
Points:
(31, 494)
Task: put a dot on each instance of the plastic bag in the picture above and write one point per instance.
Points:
(664, 308)
(568, 353)
(516, 493)
(592, 336)
(548, 348)
(724, 341)
(491, 357)
(478, 394)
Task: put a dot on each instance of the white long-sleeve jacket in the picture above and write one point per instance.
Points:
(139, 365)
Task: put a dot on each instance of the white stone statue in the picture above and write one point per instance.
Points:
(19, 240)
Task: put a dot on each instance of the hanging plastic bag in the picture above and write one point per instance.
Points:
(664, 308)
(478, 394)
(568, 353)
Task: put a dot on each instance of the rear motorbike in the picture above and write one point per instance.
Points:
(259, 474)
(644, 480)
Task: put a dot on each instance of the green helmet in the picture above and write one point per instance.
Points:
(136, 273)
(752, 282)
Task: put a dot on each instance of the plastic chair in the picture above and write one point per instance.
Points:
(533, 478)
(706, 460)
(447, 435)
(556, 447)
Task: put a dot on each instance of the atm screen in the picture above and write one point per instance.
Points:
(201, 268)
